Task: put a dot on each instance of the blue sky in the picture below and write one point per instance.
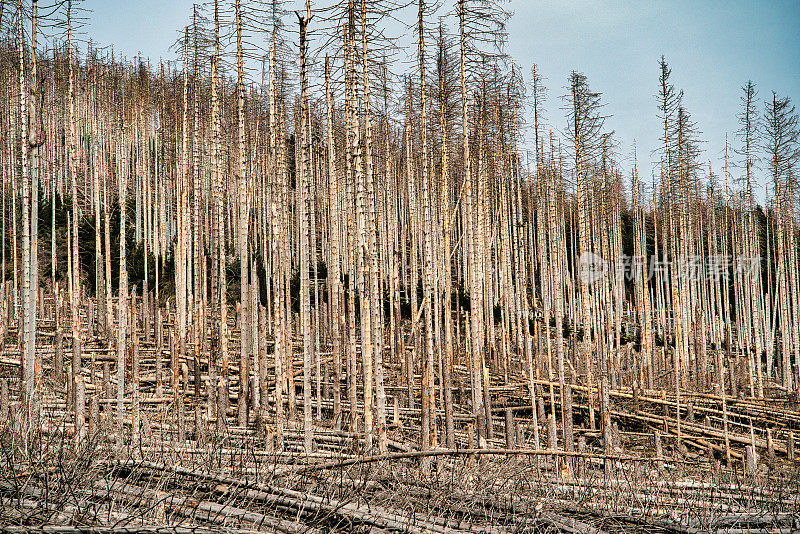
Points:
(713, 48)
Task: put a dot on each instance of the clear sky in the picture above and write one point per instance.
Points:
(713, 48)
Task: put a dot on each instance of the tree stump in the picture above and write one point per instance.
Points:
(751, 460)
(509, 427)
(80, 409)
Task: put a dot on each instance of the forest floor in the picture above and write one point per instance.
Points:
(179, 474)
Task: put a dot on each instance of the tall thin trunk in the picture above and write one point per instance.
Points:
(244, 262)
(305, 253)
(336, 319)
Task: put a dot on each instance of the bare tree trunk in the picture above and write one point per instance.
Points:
(476, 353)
(335, 297)
(122, 323)
(241, 170)
(305, 253)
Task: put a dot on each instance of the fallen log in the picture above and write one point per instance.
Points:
(364, 514)
(133, 529)
(467, 452)
(212, 512)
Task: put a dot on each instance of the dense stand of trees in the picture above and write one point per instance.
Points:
(388, 238)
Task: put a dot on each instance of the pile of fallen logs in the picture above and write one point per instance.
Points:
(659, 461)
(441, 491)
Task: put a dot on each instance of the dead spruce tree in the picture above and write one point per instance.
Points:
(388, 232)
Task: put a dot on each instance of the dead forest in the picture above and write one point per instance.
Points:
(334, 270)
